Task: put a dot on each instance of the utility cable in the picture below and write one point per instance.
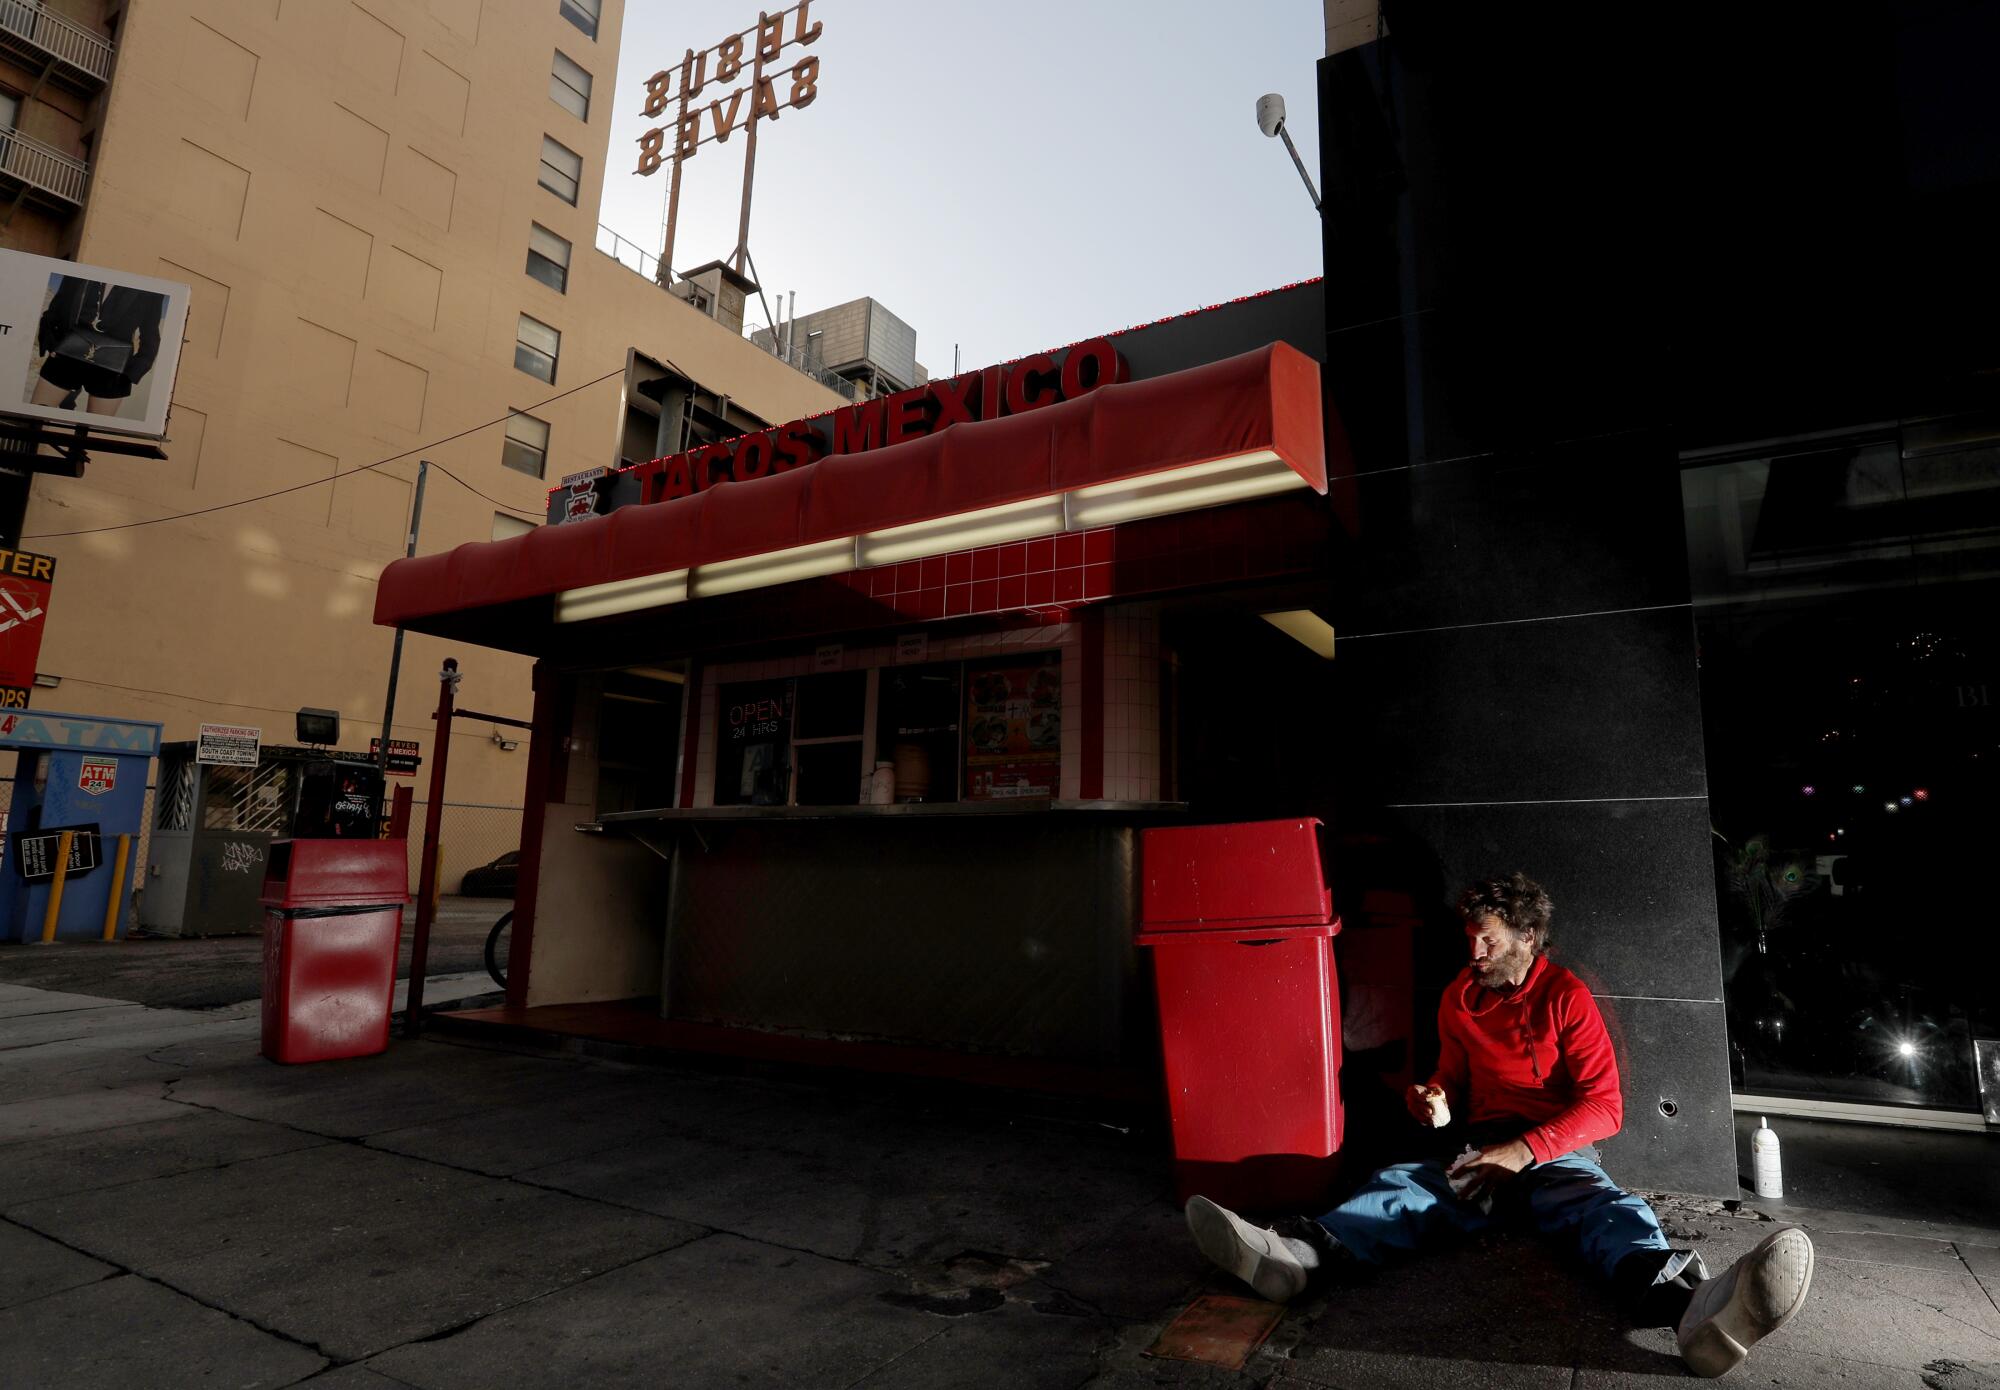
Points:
(335, 477)
(503, 506)
(364, 721)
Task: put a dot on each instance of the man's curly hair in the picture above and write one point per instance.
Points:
(1517, 900)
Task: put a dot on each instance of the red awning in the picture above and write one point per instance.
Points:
(1268, 399)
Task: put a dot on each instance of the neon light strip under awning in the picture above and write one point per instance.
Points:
(1204, 485)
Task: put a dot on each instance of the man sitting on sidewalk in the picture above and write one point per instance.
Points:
(1525, 1057)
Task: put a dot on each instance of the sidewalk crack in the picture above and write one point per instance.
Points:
(126, 1270)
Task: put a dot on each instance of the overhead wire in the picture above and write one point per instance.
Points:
(335, 477)
(364, 721)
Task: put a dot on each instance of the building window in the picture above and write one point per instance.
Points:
(1844, 617)
(506, 526)
(536, 347)
(582, 13)
(10, 111)
(562, 170)
(527, 446)
(569, 87)
(548, 258)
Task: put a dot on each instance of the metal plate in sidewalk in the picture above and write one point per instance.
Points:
(1219, 1329)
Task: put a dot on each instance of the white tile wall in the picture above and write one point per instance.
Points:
(1132, 702)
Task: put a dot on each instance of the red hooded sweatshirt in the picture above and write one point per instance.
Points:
(1539, 1056)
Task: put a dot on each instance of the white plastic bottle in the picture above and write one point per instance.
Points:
(1766, 1172)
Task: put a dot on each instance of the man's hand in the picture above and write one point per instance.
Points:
(1424, 1103)
(1478, 1174)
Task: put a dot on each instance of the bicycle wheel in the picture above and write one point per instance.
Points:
(496, 949)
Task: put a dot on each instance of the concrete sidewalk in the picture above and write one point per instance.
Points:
(177, 1211)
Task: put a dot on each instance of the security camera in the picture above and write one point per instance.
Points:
(1270, 113)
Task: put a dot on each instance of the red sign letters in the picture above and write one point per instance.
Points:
(1014, 389)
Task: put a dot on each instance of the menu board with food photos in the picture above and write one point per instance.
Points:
(1013, 728)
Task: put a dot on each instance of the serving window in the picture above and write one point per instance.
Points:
(827, 737)
(980, 729)
(917, 730)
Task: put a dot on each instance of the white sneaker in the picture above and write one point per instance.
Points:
(1255, 1256)
(1749, 1301)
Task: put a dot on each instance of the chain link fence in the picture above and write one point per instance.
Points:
(471, 836)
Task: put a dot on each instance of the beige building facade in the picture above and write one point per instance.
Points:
(387, 212)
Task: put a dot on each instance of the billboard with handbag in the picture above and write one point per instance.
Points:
(85, 345)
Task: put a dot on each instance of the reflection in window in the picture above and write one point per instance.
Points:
(1843, 601)
(536, 348)
(526, 449)
(584, 14)
(569, 86)
(548, 257)
(562, 170)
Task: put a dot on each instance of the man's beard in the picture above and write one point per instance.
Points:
(1505, 971)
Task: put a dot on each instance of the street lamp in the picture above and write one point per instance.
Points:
(1271, 120)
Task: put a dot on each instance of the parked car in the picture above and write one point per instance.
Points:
(495, 880)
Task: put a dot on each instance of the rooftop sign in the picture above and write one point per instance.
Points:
(760, 50)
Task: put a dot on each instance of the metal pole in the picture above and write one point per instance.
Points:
(396, 651)
(1286, 135)
(750, 167)
(117, 882)
(664, 272)
(420, 940)
(54, 910)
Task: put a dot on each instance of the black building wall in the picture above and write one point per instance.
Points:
(1560, 249)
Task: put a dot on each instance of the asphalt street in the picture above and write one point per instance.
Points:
(208, 972)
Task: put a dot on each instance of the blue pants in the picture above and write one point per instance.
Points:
(1410, 1206)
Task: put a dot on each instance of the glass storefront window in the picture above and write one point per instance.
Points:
(917, 730)
(1844, 601)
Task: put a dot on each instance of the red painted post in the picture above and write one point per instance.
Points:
(399, 812)
(420, 941)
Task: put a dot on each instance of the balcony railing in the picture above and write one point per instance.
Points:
(51, 33)
(637, 259)
(54, 173)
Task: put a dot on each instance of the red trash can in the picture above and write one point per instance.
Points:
(333, 911)
(1241, 925)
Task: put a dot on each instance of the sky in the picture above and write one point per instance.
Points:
(1005, 177)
